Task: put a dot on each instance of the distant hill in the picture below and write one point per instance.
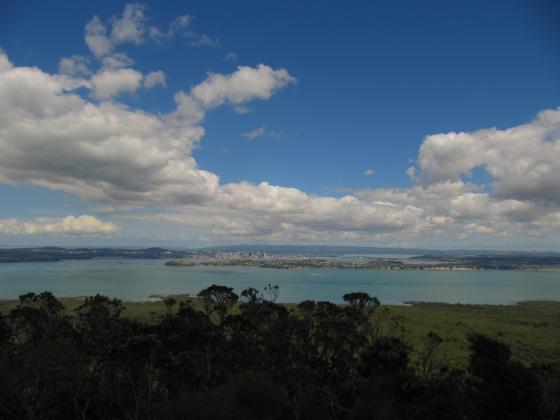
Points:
(8, 255)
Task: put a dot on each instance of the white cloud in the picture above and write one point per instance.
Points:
(253, 134)
(69, 225)
(524, 161)
(369, 172)
(476, 228)
(131, 26)
(243, 85)
(274, 213)
(5, 63)
(109, 83)
(458, 208)
(96, 37)
(154, 78)
(411, 172)
(107, 152)
(75, 66)
(116, 61)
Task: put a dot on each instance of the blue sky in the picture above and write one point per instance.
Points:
(369, 81)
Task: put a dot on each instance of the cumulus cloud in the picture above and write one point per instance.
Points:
(109, 83)
(369, 172)
(54, 138)
(96, 37)
(274, 213)
(464, 210)
(477, 229)
(69, 225)
(154, 78)
(5, 63)
(243, 85)
(75, 66)
(285, 209)
(237, 88)
(116, 61)
(131, 26)
(116, 75)
(524, 161)
(128, 28)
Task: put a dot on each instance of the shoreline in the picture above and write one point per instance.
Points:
(403, 267)
(381, 266)
(295, 265)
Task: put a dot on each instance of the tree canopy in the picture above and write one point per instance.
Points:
(224, 356)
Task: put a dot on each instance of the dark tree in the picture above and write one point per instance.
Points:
(362, 302)
(317, 360)
(218, 299)
(502, 388)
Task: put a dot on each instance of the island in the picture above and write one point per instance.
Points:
(180, 263)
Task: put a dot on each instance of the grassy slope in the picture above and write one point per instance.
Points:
(532, 329)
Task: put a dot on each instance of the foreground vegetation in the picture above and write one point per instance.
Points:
(531, 329)
(223, 356)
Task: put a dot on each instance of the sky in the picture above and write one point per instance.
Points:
(383, 123)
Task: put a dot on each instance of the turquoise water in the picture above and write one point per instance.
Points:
(138, 279)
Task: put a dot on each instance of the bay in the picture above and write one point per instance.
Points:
(137, 280)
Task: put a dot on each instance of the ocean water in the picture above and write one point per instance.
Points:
(136, 280)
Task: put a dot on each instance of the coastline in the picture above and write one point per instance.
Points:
(281, 264)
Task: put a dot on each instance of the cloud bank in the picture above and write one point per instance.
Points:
(524, 161)
(69, 225)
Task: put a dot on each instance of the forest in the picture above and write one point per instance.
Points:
(221, 355)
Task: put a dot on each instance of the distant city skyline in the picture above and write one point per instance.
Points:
(430, 125)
